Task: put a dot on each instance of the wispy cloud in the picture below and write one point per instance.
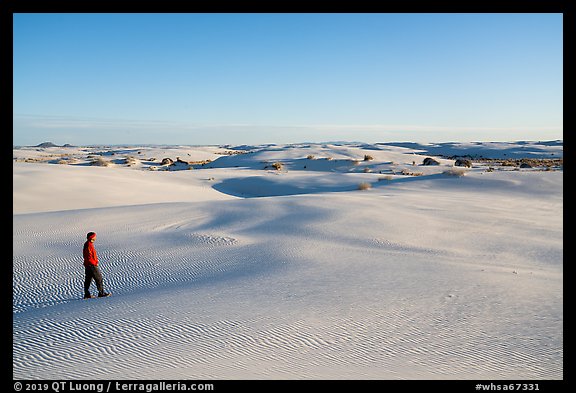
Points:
(420, 127)
(78, 129)
(47, 121)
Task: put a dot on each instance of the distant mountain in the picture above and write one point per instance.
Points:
(50, 144)
(47, 144)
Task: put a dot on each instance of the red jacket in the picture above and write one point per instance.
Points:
(90, 257)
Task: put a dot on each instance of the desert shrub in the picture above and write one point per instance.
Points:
(276, 165)
(130, 161)
(406, 172)
(100, 161)
(430, 161)
(455, 172)
(387, 177)
(367, 170)
(364, 186)
(463, 162)
(166, 161)
(310, 157)
(368, 157)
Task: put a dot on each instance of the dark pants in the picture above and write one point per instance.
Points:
(92, 272)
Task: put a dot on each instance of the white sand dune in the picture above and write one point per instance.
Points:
(235, 270)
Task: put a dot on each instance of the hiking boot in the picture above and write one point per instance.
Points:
(88, 296)
(104, 294)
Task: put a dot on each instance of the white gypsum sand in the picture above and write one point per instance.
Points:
(224, 265)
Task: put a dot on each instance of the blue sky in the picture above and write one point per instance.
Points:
(280, 78)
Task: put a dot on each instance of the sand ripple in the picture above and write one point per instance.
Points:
(199, 300)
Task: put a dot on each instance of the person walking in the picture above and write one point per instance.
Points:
(91, 268)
